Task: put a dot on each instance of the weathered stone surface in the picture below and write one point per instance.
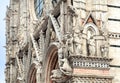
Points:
(70, 41)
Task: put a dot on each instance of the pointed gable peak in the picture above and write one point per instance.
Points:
(90, 19)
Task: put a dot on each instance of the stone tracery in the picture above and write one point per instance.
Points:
(67, 47)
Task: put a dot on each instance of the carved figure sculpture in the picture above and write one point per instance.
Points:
(69, 44)
(58, 76)
(104, 50)
(66, 68)
(91, 45)
(64, 63)
(77, 42)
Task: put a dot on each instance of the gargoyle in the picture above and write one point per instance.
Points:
(58, 76)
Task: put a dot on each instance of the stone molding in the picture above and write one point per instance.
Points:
(90, 62)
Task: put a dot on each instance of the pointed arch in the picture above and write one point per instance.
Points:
(91, 26)
(90, 30)
(32, 73)
(51, 61)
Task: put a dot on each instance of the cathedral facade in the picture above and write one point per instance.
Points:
(63, 41)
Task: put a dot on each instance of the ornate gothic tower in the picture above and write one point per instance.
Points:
(63, 41)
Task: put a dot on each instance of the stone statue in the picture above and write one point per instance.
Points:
(57, 76)
(104, 50)
(66, 68)
(69, 44)
(91, 46)
(77, 42)
(64, 63)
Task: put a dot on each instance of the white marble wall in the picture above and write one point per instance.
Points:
(114, 2)
(114, 26)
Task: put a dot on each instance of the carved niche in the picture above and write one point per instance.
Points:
(95, 43)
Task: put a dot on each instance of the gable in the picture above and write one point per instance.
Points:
(90, 19)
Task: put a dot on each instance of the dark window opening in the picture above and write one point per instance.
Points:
(38, 7)
(54, 2)
(71, 2)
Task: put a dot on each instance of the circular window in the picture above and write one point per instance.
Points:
(38, 7)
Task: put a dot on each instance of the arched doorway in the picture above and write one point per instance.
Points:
(51, 62)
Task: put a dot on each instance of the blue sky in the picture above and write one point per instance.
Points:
(3, 4)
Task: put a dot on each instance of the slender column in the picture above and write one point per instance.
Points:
(66, 17)
(69, 24)
(49, 27)
(29, 54)
(12, 71)
(42, 46)
(62, 24)
(98, 43)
